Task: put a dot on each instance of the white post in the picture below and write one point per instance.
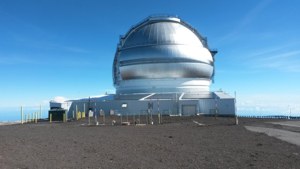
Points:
(158, 111)
(139, 117)
(22, 115)
(40, 114)
(89, 117)
(103, 117)
(235, 114)
(83, 109)
(290, 112)
(76, 112)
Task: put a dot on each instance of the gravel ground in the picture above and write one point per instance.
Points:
(177, 143)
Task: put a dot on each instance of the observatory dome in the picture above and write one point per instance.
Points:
(162, 54)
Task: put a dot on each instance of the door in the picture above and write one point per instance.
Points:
(189, 110)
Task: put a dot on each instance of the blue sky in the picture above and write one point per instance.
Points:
(52, 48)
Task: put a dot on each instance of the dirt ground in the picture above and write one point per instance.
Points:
(177, 143)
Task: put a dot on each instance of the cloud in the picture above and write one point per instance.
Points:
(248, 19)
(59, 99)
(16, 59)
(46, 44)
(44, 60)
(286, 61)
(280, 56)
(21, 36)
(268, 104)
(263, 51)
(74, 49)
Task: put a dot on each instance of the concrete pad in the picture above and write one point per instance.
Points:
(200, 124)
(140, 124)
(288, 136)
(9, 123)
(126, 123)
(288, 123)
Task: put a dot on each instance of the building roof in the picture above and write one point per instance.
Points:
(223, 95)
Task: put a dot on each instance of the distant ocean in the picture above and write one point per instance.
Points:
(13, 114)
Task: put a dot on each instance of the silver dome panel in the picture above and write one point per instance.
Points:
(161, 33)
(161, 48)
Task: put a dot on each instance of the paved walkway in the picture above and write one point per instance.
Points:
(288, 136)
(288, 123)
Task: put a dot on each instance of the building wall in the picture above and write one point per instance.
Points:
(134, 107)
(224, 107)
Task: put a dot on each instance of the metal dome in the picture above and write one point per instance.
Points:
(162, 54)
(161, 33)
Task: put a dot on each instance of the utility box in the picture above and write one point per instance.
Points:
(57, 114)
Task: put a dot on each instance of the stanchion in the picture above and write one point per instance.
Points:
(76, 112)
(36, 117)
(40, 113)
(104, 118)
(64, 117)
(83, 110)
(50, 118)
(22, 115)
(134, 118)
(158, 118)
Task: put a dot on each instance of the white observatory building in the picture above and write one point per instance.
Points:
(165, 65)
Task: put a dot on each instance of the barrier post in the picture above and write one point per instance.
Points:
(40, 113)
(22, 115)
(158, 118)
(89, 119)
(83, 110)
(139, 117)
(64, 117)
(134, 118)
(103, 117)
(76, 112)
(50, 118)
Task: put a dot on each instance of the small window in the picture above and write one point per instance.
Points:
(124, 105)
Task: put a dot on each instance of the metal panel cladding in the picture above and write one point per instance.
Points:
(161, 48)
